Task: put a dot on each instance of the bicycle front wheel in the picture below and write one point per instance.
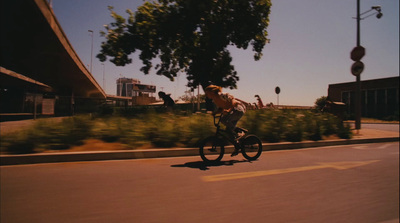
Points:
(212, 149)
(251, 147)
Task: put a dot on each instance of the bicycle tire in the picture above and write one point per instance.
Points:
(251, 147)
(211, 149)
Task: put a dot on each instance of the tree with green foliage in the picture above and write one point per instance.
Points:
(320, 103)
(188, 36)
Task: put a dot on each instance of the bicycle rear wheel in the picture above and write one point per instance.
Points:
(251, 147)
(212, 149)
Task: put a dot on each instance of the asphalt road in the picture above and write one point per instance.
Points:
(354, 183)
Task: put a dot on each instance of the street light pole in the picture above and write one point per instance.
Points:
(358, 77)
(91, 52)
(357, 53)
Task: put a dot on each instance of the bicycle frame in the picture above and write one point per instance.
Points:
(212, 147)
(223, 133)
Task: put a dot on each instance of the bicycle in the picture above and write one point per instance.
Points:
(212, 148)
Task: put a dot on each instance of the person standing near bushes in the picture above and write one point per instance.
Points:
(260, 104)
(168, 101)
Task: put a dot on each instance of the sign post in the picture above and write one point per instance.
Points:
(277, 91)
(357, 53)
(357, 68)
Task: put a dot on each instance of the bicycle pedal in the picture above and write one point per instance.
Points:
(235, 152)
(239, 136)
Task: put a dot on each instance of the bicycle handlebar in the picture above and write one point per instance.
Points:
(216, 123)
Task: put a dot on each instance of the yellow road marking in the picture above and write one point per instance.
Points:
(384, 146)
(361, 147)
(335, 165)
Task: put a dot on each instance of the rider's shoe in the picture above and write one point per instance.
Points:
(235, 152)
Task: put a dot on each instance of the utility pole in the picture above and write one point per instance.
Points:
(358, 77)
(277, 91)
(356, 55)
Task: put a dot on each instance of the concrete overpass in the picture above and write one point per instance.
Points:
(34, 45)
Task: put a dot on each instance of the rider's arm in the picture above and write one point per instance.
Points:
(244, 102)
(218, 111)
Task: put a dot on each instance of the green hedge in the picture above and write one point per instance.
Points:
(293, 125)
(169, 130)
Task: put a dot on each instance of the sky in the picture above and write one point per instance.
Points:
(310, 47)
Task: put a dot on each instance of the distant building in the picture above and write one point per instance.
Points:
(379, 97)
(141, 94)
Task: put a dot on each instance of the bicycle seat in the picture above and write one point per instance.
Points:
(238, 129)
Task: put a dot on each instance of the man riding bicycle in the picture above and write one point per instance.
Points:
(231, 108)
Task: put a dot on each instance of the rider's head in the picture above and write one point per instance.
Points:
(161, 94)
(212, 90)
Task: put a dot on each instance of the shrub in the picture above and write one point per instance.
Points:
(197, 127)
(168, 130)
(312, 125)
(46, 134)
(253, 121)
(294, 132)
(344, 130)
(62, 135)
(133, 134)
(269, 125)
(329, 124)
(163, 131)
(105, 109)
(109, 129)
(17, 143)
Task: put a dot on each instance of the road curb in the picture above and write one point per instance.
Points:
(159, 153)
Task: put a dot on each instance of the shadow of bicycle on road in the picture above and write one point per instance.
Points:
(201, 165)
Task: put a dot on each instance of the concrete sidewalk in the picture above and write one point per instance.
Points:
(360, 137)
